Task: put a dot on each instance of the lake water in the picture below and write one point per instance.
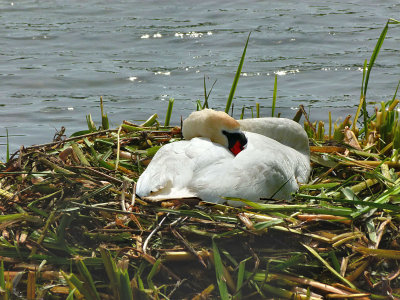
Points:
(58, 57)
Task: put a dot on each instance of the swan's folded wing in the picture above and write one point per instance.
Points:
(174, 167)
(265, 169)
(285, 131)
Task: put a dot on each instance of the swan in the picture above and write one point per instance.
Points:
(224, 157)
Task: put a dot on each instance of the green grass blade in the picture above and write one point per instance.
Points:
(104, 119)
(150, 121)
(80, 154)
(382, 199)
(328, 266)
(71, 295)
(363, 77)
(258, 110)
(242, 114)
(88, 284)
(130, 128)
(17, 218)
(74, 283)
(279, 292)
(2, 278)
(292, 261)
(395, 94)
(205, 93)
(125, 283)
(396, 136)
(368, 205)
(66, 220)
(137, 277)
(208, 95)
(152, 273)
(334, 260)
(90, 123)
(8, 147)
(219, 272)
(105, 123)
(370, 65)
(362, 99)
(111, 271)
(374, 55)
(274, 95)
(198, 105)
(236, 79)
(169, 111)
(240, 278)
(364, 87)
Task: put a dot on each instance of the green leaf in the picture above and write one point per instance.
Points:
(8, 147)
(169, 111)
(79, 133)
(150, 121)
(152, 273)
(206, 95)
(332, 270)
(198, 105)
(90, 123)
(71, 295)
(334, 260)
(111, 271)
(205, 105)
(219, 272)
(125, 284)
(105, 124)
(267, 224)
(370, 65)
(274, 95)
(236, 79)
(292, 261)
(240, 278)
(88, 284)
(130, 128)
(242, 114)
(2, 278)
(75, 283)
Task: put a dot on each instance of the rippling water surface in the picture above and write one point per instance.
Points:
(58, 57)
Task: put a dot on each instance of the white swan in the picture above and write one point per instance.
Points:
(267, 159)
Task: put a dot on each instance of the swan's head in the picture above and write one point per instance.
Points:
(218, 126)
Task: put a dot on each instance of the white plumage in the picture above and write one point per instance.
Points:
(275, 158)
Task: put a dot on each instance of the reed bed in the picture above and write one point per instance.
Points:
(72, 228)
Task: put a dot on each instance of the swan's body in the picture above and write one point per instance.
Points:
(208, 170)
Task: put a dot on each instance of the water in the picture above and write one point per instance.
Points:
(58, 57)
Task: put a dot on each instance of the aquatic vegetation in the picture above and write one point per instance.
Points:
(72, 227)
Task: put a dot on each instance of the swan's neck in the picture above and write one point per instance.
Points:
(210, 124)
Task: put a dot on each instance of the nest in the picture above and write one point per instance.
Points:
(72, 226)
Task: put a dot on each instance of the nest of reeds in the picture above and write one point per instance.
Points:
(72, 226)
